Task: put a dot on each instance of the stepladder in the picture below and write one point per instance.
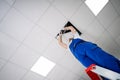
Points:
(95, 72)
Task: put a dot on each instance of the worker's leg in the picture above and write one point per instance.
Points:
(102, 58)
(108, 61)
(86, 61)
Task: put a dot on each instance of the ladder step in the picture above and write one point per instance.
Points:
(106, 73)
(103, 72)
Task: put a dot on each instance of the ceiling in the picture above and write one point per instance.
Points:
(28, 29)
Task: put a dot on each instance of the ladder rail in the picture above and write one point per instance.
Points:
(106, 73)
(102, 72)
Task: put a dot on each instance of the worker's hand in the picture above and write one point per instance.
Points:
(61, 43)
(60, 34)
(68, 28)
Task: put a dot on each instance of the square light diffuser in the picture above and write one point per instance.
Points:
(96, 5)
(43, 66)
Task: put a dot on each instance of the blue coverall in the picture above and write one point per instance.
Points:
(89, 53)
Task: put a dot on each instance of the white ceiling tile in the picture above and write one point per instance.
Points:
(16, 25)
(114, 29)
(43, 66)
(52, 21)
(4, 7)
(25, 57)
(68, 61)
(96, 6)
(10, 1)
(115, 53)
(2, 62)
(105, 40)
(118, 40)
(83, 0)
(51, 16)
(82, 17)
(84, 76)
(81, 76)
(12, 72)
(116, 5)
(107, 15)
(67, 7)
(70, 76)
(47, 79)
(7, 46)
(78, 68)
(33, 9)
(33, 76)
(107, 43)
(118, 51)
(38, 39)
(87, 37)
(54, 51)
(58, 73)
(51, 0)
(94, 30)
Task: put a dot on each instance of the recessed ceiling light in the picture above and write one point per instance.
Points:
(43, 66)
(96, 5)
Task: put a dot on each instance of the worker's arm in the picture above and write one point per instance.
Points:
(61, 43)
(70, 28)
(74, 32)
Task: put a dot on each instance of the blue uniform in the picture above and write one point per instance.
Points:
(89, 53)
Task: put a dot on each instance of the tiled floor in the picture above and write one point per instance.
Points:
(28, 29)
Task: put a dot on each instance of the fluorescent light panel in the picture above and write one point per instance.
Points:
(96, 5)
(43, 66)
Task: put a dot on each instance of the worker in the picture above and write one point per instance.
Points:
(89, 53)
